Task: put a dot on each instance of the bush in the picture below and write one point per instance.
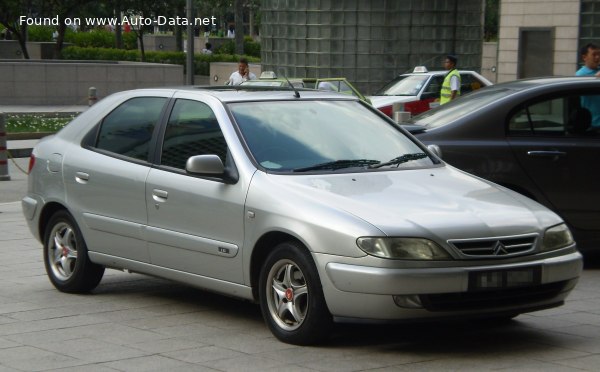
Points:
(86, 39)
(40, 33)
(100, 39)
(201, 61)
(251, 47)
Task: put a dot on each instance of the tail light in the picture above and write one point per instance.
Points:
(387, 110)
(31, 163)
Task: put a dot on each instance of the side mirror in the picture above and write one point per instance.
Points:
(211, 166)
(436, 150)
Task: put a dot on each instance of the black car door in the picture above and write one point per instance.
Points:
(560, 151)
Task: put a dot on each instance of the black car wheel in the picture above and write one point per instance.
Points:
(291, 297)
(65, 256)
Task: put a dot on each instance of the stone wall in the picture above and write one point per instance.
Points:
(67, 82)
(560, 15)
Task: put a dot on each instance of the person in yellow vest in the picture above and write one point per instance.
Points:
(451, 85)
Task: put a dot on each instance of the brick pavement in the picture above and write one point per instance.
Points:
(137, 323)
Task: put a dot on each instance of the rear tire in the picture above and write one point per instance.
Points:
(65, 256)
(291, 296)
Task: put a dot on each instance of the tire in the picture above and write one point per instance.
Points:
(291, 296)
(65, 256)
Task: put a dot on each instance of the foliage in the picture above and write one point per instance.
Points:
(94, 38)
(100, 39)
(39, 33)
(35, 123)
(201, 61)
(490, 28)
(251, 47)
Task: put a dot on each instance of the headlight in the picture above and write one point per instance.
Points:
(557, 237)
(403, 248)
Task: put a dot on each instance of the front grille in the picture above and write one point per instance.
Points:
(495, 247)
(495, 299)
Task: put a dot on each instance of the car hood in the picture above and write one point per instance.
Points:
(382, 101)
(442, 203)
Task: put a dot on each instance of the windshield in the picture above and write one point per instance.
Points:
(321, 136)
(456, 109)
(406, 85)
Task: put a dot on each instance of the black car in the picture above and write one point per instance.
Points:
(540, 137)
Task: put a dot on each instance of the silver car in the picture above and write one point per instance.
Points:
(313, 204)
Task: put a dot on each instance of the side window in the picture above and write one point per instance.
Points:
(469, 83)
(328, 85)
(192, 130)
(591, 104)
(435, 85)
(545, 118)
(345, 88)
(127, 130)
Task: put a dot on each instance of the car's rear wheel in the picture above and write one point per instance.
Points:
(291, 297)
(65, 256)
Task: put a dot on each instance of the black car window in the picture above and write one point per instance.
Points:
(469, 83)
(127, 130)
(192, 130)
(435, 84)
(541, 118)
(558, 116)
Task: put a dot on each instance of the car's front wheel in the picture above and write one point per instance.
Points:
(65, 256)
(291, 297)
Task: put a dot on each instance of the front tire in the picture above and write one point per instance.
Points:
(291, 296)
(65, 256)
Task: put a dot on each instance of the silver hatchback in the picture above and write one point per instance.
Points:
(313, 204)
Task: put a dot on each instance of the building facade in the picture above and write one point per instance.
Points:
(542, 37)
(368, 41)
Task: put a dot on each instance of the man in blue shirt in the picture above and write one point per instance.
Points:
(590, 54)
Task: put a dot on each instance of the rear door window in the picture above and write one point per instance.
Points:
(128, 129)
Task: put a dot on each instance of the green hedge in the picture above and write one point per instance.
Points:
(92, 38)
(201, 61)
(251, 47)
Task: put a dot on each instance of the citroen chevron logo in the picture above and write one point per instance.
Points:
(500, 249)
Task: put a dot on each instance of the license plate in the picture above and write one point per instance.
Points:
(510, 278)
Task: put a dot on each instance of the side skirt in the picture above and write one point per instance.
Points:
(199, 281)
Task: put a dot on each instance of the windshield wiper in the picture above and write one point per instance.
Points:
(338, 164)
(401, 159)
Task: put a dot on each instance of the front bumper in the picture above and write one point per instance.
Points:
(366, 292)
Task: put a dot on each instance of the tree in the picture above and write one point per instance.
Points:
(10, 11)
(239, 26)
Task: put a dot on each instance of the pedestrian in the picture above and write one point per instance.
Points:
(207, 49)
(242, 74)
(451, 85)
(590, 54)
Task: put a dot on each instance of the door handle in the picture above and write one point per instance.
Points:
(82, 177)
(159, 195)
(547, 154)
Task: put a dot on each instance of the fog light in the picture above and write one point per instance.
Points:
(408, 301)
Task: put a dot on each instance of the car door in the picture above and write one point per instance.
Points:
(195, 224)
(560, 156)
(105, 178)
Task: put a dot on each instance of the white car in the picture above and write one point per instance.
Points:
(418, 89)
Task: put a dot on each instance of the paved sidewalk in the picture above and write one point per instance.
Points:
(137, 323)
